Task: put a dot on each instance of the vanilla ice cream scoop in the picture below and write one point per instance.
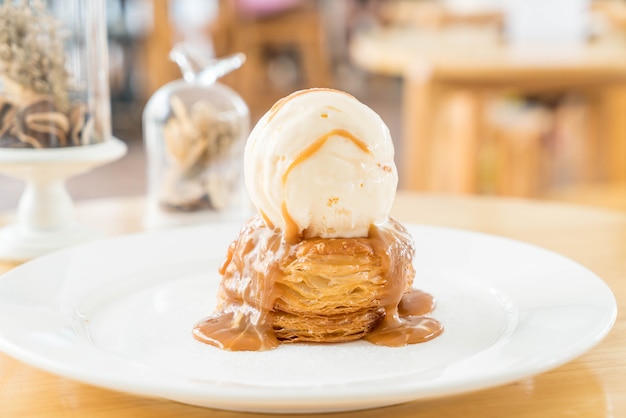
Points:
(320, 163)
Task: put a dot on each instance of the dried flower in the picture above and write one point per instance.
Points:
(196, 139)
(31, 50)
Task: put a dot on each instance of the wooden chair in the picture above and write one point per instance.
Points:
(442, 145)
(298, 30)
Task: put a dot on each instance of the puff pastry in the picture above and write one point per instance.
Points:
(317, 290)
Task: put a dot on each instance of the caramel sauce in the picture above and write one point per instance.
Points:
(255, 263)
(291, 227)
(266, 219)
(282, 102)
(319, 143)
(292, 233)
(400, 331)
(416, 303)
(228, 332)
(408, 323)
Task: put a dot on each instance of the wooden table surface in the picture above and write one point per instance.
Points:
(439, 144)
(481, 55)
(594, 385)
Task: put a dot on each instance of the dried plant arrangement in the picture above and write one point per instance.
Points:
(35, 107)
(196, 140)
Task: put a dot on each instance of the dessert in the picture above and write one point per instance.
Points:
(322, 261)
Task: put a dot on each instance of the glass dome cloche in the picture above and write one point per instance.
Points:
(54, 88)
(55, 116)
(194, 133)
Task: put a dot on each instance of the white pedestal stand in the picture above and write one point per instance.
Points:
(45, 214)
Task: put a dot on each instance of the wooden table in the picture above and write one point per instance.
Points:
(476, 63)
(594, 385)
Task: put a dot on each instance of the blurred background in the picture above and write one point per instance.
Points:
(518, 98)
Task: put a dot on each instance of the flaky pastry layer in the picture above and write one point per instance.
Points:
(318, 290)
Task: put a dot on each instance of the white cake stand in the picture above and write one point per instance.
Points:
(45, 213)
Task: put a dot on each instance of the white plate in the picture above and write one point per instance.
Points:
(118, 313)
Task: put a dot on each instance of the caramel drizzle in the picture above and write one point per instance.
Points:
(291, 227)
(291, 233)
(282, 102)
(319, 143)
(269, 223)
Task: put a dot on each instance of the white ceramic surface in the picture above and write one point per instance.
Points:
(118, 313)
(45, 214)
